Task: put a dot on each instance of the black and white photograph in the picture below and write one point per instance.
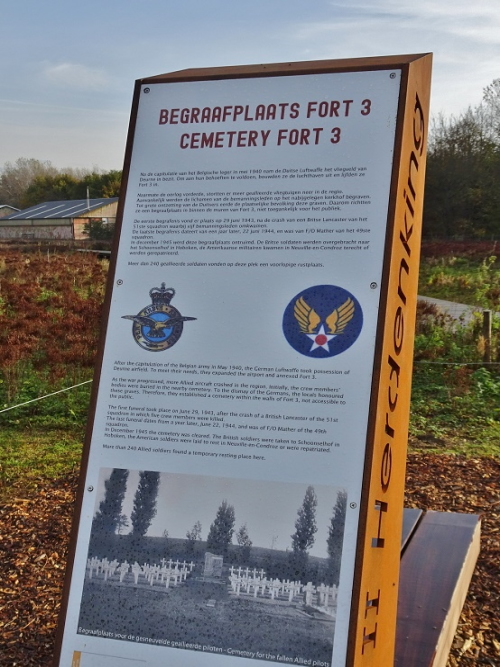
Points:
(239, 567)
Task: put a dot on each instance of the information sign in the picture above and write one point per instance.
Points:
(241, 492)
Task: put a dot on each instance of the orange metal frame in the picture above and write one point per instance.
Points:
(375, 589)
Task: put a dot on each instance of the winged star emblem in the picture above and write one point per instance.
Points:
(309, 321)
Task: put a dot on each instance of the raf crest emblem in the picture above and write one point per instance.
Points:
(322, 321)
(158, 326)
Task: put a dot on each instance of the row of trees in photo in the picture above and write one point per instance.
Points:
(109, 517)
(109, 520)
(462, 194)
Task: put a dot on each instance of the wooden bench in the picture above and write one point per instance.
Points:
(439, 551)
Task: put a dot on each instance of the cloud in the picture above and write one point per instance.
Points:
(77, 76)
(451, 10)
(464, 37)
(449, 19)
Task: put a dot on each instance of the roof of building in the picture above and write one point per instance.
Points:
(60, 209)
(5, 210)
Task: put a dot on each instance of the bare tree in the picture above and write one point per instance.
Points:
(16, 178)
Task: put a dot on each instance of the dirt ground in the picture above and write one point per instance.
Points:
(34, 532)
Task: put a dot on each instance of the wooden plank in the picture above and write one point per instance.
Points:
(411, 517)
(286, 68)
(436, 570)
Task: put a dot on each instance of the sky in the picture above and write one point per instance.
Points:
(67, 69)
(269, 509)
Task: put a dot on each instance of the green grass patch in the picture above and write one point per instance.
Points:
(30, 455)
(455, 409)
(472, 281)
(455, 404)
(31, 396)
(43, 439)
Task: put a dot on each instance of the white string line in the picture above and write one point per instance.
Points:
(40, 398)
(439, 363)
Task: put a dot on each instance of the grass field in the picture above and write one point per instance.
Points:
(456, 398)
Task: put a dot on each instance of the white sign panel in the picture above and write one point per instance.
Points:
(236, 376)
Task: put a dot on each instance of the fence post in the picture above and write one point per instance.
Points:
(487, 336)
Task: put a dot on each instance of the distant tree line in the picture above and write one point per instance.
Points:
(27, 182)
(462, 193)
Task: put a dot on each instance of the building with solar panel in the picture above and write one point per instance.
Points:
(58, 220)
